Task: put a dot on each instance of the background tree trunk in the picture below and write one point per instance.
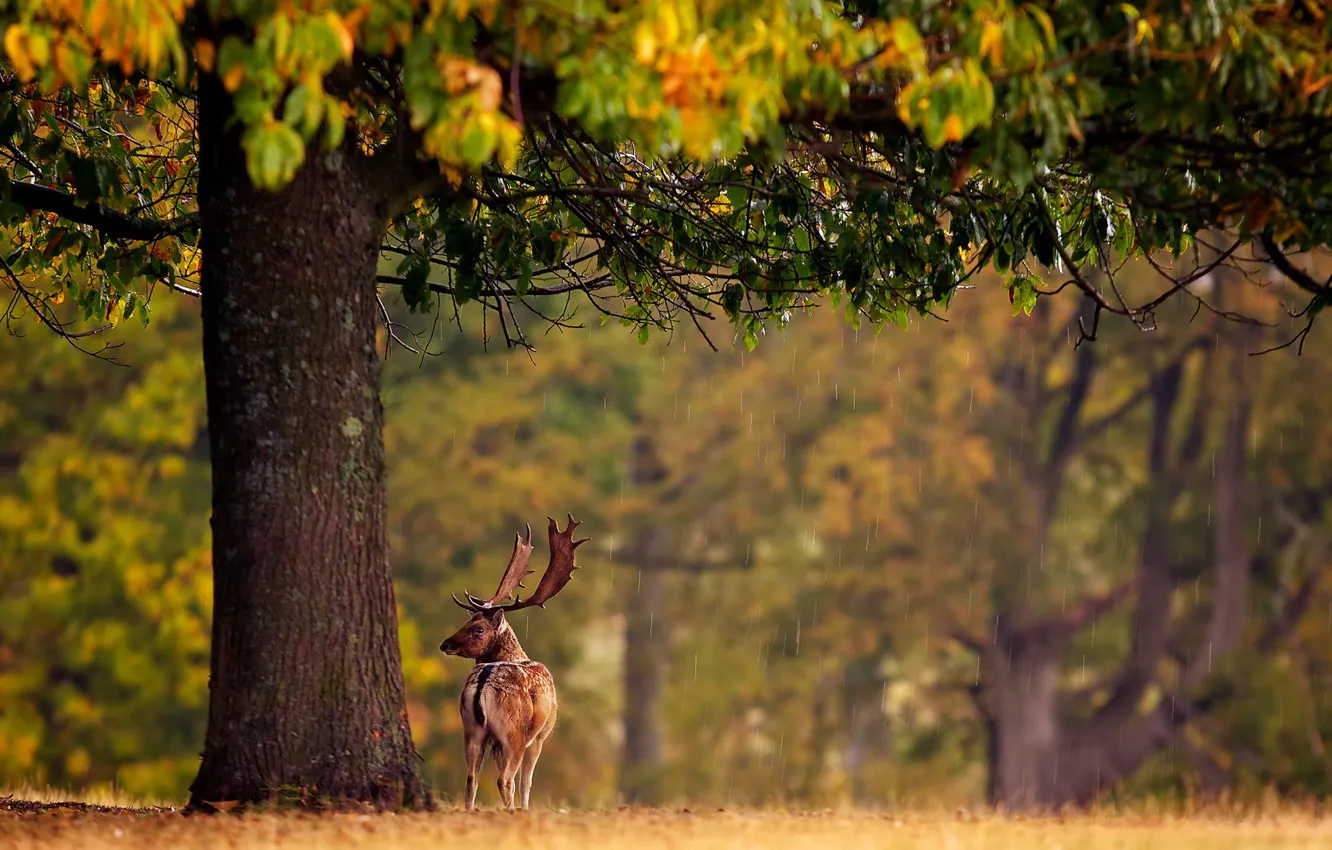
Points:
(645, 656)
(1025, 724)
(645, 645)
(306, 691)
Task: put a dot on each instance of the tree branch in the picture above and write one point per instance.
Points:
(110, 223)
(1293, 273)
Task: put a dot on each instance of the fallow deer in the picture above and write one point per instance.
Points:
(508, 702)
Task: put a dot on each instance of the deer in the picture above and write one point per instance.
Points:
(508, 702)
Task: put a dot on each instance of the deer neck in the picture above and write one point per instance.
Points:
(504, 648)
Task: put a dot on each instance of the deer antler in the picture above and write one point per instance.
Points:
(514, 574)
(561, 568)
(558, 573)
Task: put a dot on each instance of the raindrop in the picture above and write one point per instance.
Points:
(651, 621)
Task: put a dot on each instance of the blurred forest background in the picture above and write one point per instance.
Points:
(845, 567)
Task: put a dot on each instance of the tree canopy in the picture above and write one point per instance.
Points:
(677, 161)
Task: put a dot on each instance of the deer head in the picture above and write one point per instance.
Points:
(478, 634)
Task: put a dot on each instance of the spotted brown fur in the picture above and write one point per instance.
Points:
(508, 702)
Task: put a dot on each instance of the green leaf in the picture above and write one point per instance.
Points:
(524, 282)
(87, 179)
(733, 295)
(752, 329)
(416, 286)
(477, 144)
(273, 152)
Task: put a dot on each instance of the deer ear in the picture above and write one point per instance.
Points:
(496, 617)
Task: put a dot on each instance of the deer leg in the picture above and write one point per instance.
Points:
(530, 756)
(474, 750)
(508, 760)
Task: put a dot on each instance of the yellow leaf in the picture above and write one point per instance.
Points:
(343, 32)
(645, 44)
(952, 128)
(205, 53)
(668, 23)
(992, 42)
(64, 62)
(1141, 32)
(234, 76)
(18, 54)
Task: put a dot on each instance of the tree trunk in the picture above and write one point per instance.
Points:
(1023, 692)
(306, 690)
(645, 643)
(645, 649)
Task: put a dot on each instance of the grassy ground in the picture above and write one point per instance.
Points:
(56, 828)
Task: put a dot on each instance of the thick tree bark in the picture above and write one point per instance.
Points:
(306, 689)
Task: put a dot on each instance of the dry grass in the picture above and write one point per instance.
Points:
(127, 824)
(101, 795)
(1252, 829)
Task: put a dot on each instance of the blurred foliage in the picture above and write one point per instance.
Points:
(833, 503)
